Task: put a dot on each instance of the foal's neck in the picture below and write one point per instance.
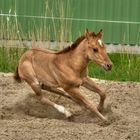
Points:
(78, 57)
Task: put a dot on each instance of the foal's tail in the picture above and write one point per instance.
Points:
(16, 76)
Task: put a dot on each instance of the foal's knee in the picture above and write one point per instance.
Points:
(36, 88)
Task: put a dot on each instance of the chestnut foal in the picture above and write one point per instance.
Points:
(66, 69)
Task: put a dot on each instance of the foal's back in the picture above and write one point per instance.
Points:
(42, 65)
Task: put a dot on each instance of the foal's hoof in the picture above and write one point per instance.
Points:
(70, 118)
(100, 109)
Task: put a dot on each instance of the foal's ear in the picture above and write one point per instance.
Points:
(87, 34)
(100, 33)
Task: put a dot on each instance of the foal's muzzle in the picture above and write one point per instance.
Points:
(107, 66)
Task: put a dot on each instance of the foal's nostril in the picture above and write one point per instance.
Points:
(109, 66)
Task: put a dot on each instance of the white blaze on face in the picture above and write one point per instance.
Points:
(100, 42)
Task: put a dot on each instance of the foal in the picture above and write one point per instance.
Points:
(66, 69)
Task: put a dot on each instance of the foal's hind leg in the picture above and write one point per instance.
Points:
(44, 100)
(30, 77)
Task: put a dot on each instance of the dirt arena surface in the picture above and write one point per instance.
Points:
(23, 117)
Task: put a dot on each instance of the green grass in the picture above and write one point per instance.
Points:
(9, 57)
(126, 67)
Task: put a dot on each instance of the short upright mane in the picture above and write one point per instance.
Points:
(73, 46)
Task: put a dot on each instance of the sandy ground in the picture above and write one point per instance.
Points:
(23, 117)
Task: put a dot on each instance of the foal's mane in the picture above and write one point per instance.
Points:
(73, 46)
(67, 49)
(76, 43)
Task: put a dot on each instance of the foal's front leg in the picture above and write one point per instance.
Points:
(75, 93)
(89, 84)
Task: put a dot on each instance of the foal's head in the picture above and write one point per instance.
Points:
(96, 49)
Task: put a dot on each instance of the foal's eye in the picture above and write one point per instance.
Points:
(95, 49)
